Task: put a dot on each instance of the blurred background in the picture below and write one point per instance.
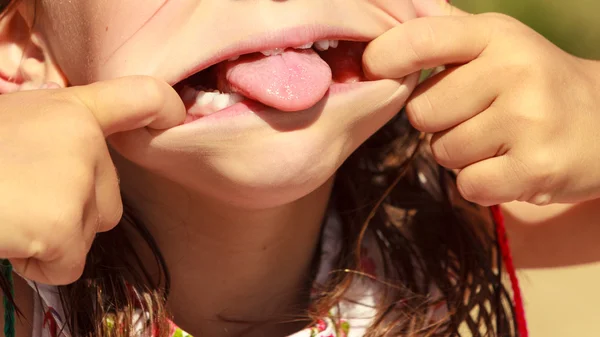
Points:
(574, 25)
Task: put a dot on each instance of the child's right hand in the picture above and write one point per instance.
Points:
(58, 185)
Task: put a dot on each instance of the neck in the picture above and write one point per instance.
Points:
(232, 269)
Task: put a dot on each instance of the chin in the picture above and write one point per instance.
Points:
(256, 172)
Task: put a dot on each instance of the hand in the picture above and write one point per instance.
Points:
(514, 114)
(58, 186)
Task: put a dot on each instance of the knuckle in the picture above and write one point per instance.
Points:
(82, 181)
(544, 168)
(471, 189)
(417, 110)
(538, 172)
(525, 65)
(70, 218)
(63, 218)
(90, 236)
(76, 129)
(503, 24)
(420, 40)
(47, 249)
(441, 151)
(147, 85)
(370, 60)
(153, 91)
(466, 188)
(499, 18)
(63, 97)
(541, 199)
(87, 135)
(41, 248)
(528, 110)
(111, 219)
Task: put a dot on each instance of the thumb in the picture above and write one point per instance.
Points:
(426, 43)
(131, 103)
(436, 8)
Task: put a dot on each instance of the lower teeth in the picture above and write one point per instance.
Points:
(203, 103)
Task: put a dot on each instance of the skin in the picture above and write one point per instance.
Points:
(249, 209)
(529, 117)
(524, 138)
(230, 220)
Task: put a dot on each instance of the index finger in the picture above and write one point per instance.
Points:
(425, 43)
(131, 103)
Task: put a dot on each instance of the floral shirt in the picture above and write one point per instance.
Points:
(350, 318)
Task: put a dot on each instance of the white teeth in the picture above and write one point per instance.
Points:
(207, 103)
(322, 45)
(326, 44)
(319, 45)
(272, 52)
(305, 46)
(220, 102)
(234, 58)
(205, 98)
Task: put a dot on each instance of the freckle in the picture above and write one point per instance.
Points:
(106, 28)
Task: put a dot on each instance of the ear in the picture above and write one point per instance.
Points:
(25, 59)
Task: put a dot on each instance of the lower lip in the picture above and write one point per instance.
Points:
(251, 107)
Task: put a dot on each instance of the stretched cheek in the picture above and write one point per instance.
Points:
(122, 22)
(84, 35)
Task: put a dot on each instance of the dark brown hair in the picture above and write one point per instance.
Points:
(429, 237)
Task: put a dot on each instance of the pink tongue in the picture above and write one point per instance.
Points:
(292, 81)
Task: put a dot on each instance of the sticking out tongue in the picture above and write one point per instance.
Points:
(292, 81)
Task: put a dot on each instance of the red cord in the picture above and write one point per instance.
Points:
(510, 268)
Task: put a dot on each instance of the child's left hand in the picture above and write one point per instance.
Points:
(519, 117)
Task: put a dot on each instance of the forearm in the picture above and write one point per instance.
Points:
(554, 235)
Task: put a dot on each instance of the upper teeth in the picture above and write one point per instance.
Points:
(305, 46)
(322, 45)
(319, 45)
(272, 52)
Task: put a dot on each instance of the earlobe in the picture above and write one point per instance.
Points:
(25, 60)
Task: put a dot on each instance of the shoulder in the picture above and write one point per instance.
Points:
(24, 300)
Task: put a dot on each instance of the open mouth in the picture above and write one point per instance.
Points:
(287, 78)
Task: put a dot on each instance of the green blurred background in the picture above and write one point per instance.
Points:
(574, 25)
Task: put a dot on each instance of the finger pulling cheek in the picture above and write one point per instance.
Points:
(451, 97)
(477, 139)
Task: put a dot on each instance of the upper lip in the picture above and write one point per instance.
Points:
(283, 38)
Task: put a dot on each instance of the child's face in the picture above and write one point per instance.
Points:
(252, 159)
